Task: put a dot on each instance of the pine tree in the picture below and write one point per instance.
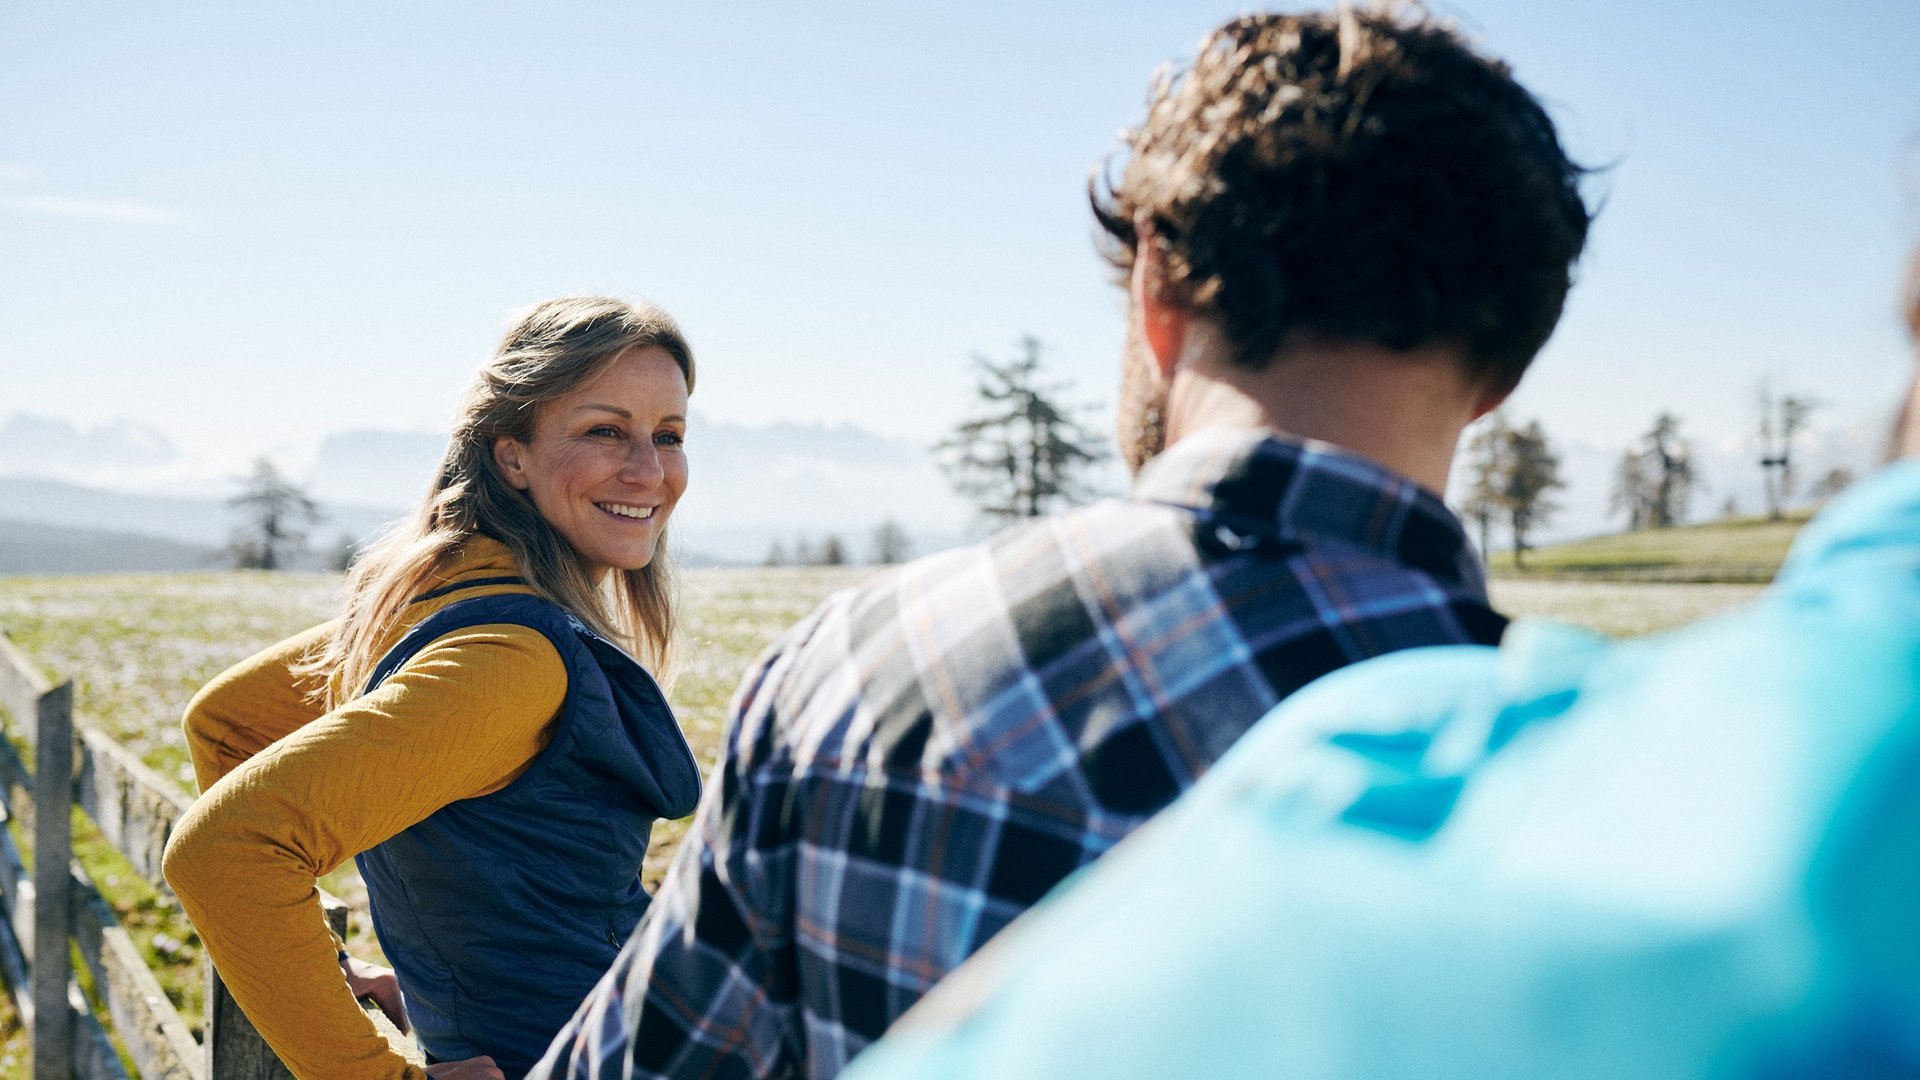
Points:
(1025, 453)
(275, 518)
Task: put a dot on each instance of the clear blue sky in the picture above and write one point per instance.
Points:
(250, 224)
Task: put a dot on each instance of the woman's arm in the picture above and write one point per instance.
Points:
(463, 718)
(251, 705)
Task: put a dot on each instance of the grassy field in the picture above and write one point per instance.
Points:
(1617, 609)
(1742, 549)
(138, 646)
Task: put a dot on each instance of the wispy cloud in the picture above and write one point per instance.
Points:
(12, 173)
(95, 209)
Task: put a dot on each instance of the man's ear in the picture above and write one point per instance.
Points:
(1488, 404)
(1163, 323)
(1493, 394)
(509, 456)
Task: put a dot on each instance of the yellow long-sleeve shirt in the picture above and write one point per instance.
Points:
(288, 794)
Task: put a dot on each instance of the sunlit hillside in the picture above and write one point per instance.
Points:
(1734, 550)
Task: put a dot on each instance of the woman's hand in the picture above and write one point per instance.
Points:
(480, 1068)
(369, 980)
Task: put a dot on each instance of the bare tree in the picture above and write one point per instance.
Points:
(1836, 480)
(891, 543)
(275, 518)
(1533, 471)
(1024, 453)
(776, 555)
(831, 552)
(1655, 479)
(344, 551)
(1486, 476)
(1630, 489)
(1781, 419)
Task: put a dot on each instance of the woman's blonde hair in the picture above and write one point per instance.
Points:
(549, 349)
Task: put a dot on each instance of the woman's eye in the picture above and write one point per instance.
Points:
(605, 431)
(670, 438)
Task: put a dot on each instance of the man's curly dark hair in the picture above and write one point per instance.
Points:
(1358, 177)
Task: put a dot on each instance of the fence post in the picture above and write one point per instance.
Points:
(52, 883)
(235, 1050)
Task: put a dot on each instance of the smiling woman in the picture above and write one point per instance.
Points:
(475, 728)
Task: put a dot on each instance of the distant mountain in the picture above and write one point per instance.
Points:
(38, 446)
(198, 521)
(32, 548)
(377, 468)
(750, 486)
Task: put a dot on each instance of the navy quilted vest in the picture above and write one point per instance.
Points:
(499, 913)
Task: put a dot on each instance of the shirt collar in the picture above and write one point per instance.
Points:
(1260, 482)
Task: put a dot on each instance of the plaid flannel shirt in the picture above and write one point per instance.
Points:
(923, 757)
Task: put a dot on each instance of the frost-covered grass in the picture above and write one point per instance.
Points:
(728, 618)
(137, 646)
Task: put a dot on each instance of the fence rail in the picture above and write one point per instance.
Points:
(136, 810)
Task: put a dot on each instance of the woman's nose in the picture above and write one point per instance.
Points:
(642, 465)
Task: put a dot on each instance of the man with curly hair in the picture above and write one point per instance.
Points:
(1344, 238)
(1690, 856)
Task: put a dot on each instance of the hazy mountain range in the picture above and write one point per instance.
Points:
(37, 548)
(751, 487)
(123, 496)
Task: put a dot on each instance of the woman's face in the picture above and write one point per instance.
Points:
(607, 462)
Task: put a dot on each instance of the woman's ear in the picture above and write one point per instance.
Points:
(509, 455)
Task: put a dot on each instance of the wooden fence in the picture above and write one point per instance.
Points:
(135, 810)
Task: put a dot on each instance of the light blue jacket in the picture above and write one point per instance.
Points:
(1695, 855)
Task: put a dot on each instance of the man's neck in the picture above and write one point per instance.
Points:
(1404, 411)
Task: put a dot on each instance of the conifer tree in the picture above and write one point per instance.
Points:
(275, 517)
(1024, 453)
